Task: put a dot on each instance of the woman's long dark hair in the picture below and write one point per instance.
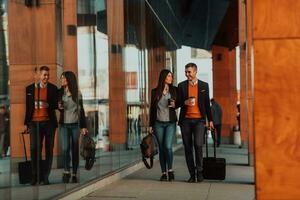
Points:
(72, 84)
(161, 83)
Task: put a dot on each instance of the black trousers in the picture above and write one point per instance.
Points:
(192, 131)
(38, 131)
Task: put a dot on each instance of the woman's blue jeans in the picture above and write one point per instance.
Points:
(69, 140)
(165, 132)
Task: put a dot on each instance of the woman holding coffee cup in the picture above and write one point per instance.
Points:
(72, 123)
(163, 121)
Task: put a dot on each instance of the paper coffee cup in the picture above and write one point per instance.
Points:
(193, 100)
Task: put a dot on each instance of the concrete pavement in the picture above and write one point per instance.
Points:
(144, 184)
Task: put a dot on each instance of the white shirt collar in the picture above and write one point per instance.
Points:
(193, 82)
(40, 84)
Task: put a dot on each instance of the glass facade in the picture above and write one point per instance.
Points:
(3, 52)
(145, 49)
(118, 49)
(5, 175)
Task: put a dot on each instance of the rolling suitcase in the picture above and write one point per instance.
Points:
(24, 168)
(213, 168)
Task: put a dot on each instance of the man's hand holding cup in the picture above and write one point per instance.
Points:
(191, 101)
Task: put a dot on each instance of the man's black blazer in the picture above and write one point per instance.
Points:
(203, 102)
(51, 100)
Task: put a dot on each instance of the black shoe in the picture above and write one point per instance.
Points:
(199, 177)
(74, 179)
(192, 179)
(163, 177)
(171, 176)
(66, 177)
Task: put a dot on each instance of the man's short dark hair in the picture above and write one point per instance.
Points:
(44, 68)
(191, 65)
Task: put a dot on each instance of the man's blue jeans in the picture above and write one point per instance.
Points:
(165, 132)
(69, 139)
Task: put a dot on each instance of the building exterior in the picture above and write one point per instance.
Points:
(117, 49)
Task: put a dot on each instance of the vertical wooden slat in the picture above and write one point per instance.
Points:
(246, 85)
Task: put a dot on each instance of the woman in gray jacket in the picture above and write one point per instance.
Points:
(72, 123)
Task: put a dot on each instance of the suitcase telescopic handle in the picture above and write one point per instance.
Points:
(213, 131)
(22, 133)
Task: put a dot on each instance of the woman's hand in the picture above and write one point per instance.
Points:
(150, 130)
(211, 125)
(60, 105)
(172, 103)
(26, 129)
(84, 131)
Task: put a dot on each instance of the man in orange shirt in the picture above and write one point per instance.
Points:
(194, 101)
(40, 121)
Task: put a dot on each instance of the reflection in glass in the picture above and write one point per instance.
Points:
(134, 79)
(93, 80)
(4, 105)
(135, 62)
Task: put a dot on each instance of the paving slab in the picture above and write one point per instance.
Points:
(145, 185)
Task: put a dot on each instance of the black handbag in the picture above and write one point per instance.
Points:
(24, 168)
(88, 151)
(149, 149)
(213, 167)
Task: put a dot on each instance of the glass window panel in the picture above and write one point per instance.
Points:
(93, 75)
(5, 165)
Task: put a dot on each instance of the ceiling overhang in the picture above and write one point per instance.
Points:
(193, 23)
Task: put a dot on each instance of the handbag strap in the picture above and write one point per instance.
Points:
(149, 166)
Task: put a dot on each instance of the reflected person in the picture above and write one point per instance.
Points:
(40, 120)
(3, 119)
(72, 122)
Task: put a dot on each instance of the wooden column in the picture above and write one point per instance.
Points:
(224, 83)
(156, 62)
(69, 38)
(117, 101)
(276, 44)
(33, 41)
(246, 83)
